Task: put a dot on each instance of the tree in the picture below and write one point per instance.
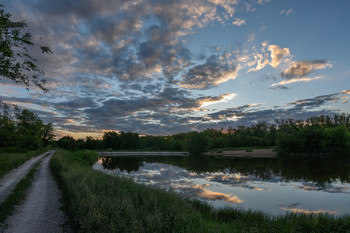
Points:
(47, 133)
(111, 140)
(197, 143)
(68, 143)
(15, 61)
(28, 129)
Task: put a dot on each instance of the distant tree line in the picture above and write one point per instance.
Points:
(321, 135)
(22, 130)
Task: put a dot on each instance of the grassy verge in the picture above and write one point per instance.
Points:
(9, 161)
(97, 202)
(18, 194)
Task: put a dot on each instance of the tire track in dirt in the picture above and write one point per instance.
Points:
(41, 210)
(11, 179)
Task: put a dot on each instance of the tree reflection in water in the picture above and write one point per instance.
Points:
(319, 172)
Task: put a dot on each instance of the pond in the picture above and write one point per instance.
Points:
(275, 186)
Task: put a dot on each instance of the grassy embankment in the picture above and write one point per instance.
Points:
(18, 194)
(97, 202)
(9, 161)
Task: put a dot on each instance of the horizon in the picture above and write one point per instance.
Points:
(160, 68)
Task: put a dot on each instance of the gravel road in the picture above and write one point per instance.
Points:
(40, 211)
(10, 180)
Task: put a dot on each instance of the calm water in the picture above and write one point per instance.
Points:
(273, 186)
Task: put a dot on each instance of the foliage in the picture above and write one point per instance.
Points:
(16, 63)
(22, 129)
(316, 136)
(68, 143)
(10, 161)
(197, 143)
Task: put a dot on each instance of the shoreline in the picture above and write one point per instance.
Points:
(142, 153)
(258, 153)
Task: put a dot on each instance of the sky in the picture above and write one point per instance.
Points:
(161, 67)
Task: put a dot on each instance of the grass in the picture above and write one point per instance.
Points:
(18, 194)
(9, 161)
(97, 202)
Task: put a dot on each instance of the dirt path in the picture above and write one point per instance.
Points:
(40, 212)
(10, 180)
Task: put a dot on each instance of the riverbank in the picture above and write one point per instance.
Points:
(257, 153)
(101, 203)
(142, 153)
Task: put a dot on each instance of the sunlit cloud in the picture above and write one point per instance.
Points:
(140, 65)
(277, 54)
(238, 22)
(303, 68)
(294, 80)
(211, 195)
(261, 62)
(221, 99)
(302, 211)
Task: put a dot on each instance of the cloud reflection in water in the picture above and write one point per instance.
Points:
(235, 188)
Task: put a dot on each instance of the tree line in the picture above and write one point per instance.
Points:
(22, 130)
(315, 136)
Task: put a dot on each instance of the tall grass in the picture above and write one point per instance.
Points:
(97, 202)
(9, 161)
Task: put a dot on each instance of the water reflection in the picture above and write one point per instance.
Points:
(271, 185)
(319, 172)
(301, 211)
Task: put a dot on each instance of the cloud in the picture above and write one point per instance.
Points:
(284, 82)
(167, 111)
(249, 7)
(252, 113)
(212, 73)
(286, 12)
(124, 65)
(302, 211)
(303, 68)
(211, 195)
(219, 99)
(277, 54)
(263, 1)
(315, 102)
(238, 22)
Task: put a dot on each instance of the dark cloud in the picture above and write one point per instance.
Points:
(249, 114)
(111, 28)
(168, 112)
(210, 74)
(315, 102)
(281, 87)
(123, 65)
